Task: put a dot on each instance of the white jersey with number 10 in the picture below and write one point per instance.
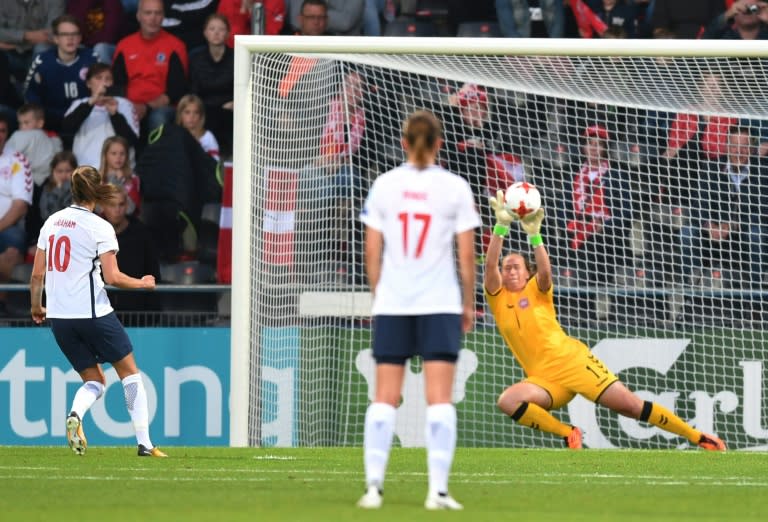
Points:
(419, 213)
(73, 240)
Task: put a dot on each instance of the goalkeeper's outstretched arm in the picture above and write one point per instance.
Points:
(491, 274)
(532, 226)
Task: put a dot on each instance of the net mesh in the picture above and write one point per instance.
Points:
(650, 170)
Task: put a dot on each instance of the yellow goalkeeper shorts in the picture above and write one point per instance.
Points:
(583, 373)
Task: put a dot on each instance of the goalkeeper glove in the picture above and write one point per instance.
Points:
(532, 226)
(503, 216)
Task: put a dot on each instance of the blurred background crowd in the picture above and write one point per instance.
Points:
(143, 91)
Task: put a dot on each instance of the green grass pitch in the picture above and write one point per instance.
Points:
(323, 484)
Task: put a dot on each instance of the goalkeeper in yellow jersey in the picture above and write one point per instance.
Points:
(557, 367)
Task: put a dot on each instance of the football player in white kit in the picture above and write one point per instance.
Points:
(76, 254)
(414, 215)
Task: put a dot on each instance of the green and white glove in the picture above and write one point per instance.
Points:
(503, 216)
(532, 226)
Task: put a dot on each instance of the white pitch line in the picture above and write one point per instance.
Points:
(483, 476)
(408, 477)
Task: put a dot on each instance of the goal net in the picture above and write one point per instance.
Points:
(650, 161)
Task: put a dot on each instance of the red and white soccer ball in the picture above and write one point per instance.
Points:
(522, 198)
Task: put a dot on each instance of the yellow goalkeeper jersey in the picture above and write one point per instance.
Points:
(528, 323)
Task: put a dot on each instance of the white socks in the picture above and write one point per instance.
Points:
(441, 444)
(136, 402)
(86, 395)
(379, 428)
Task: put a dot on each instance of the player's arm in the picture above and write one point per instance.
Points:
(113, 276)
(532, 226)
(374, 245)
(491, 274)
(36, 282)
(465, 244)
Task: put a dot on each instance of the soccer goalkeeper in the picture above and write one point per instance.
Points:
(557, 366)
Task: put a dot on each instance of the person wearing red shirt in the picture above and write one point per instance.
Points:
(150, 67)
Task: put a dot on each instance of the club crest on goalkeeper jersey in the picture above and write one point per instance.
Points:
(528, 323)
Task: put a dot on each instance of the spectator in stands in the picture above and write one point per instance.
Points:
(25, 32)
(312, 19)
(137, 252)
(599, 212)
(744, 20)
(150, 67)
(39, 148)
(57, 191)
(37, 145)
(515, 17)
(115, 168)
(57, 76)
(728, 236)
(15, 198)
(177, 178)
(184, 19)
(102, 22)
(617, 13)
(212, 78)
(316, 17)
(238, 14)
(685, 18)
(89, 121)
(190, 114)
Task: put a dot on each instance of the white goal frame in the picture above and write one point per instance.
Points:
(248, 45)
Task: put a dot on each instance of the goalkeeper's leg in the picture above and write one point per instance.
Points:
(618, 398)
(527, 404)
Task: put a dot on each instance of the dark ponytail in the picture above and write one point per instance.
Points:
(422, 130)
(87, 187)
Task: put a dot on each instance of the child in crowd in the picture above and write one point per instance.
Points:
(89, 121)
(57, 191)
(35, 143)
(116, 169)
(190, 114)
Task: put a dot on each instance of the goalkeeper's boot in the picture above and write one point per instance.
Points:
(711, 443)
(75, 436)
(436, 501)
(150, 452)
(372, 499)
(573, 440)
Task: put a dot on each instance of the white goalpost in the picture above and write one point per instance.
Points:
(650, 158)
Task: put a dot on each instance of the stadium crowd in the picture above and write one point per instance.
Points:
(143, 91)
